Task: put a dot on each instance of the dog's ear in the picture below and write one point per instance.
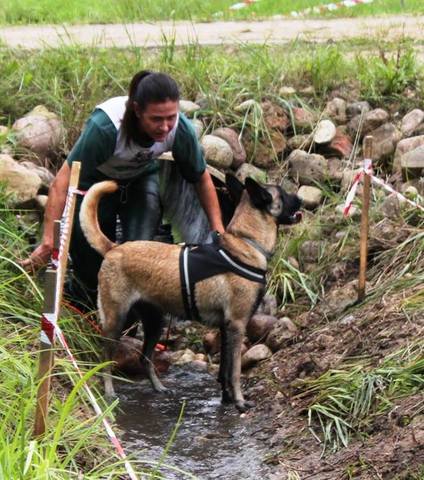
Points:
(235, 187)
(259, 195)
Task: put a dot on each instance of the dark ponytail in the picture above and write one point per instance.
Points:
(146, 87)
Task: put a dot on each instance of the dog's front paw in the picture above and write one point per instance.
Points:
(244, 405)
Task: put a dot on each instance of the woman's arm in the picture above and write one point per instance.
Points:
(209, 200)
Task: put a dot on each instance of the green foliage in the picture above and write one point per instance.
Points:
(109, 11)
(347, 399)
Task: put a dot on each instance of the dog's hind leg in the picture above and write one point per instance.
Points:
(111, 331)
(153, 323)
(236, 330)
(225, 365)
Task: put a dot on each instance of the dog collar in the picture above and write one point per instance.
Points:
(257, 247)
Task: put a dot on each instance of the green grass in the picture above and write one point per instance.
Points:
(110, 11)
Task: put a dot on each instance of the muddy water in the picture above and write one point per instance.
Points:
(212, 442)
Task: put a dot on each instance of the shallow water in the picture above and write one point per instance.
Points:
(212, 442)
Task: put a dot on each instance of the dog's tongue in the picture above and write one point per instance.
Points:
(296, 217)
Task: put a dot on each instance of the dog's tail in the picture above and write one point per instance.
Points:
(88, 216)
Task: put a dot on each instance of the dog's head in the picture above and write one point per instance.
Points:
(284, 207)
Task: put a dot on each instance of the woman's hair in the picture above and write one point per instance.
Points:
(146, 87)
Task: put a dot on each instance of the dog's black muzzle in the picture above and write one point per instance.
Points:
(291, 206)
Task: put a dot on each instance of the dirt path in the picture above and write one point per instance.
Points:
(270, 31)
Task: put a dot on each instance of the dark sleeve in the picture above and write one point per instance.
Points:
(94, 146)
(187, 151)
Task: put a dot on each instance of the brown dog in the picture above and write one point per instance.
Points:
(146, 276)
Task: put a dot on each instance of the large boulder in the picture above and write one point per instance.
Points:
(386, 137)
(411, 121)
(255, 354)
(336, 110)
(412, 163)
(217, 151)
(311, 196)
(40, 131)
(303, 119)
(232, 138)
(249, 170)
(356, 108)
(275, 116)
(45, 174)
(370, 121)
(266, 151)
(188, 107)
(22, 184)
(404, 146)
(282, 331)
(307, 168)
(259, 326)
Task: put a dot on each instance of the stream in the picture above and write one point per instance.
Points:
(212, 441)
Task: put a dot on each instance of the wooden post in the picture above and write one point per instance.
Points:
(367, 149)
(53, 283)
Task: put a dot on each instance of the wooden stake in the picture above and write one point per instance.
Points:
(52, 285)
(363, 254)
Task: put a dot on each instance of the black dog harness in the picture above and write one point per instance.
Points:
(198, 262)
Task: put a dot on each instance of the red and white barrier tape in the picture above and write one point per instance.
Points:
(50, 327)
(329, 7)
(367, 170)
(244, 4)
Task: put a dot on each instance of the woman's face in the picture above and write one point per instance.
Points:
(158, 119)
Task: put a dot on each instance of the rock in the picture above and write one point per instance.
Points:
(311, 196)
(409, 191)
(254, 355)
(199, 365)
(310, 251)
(232, 138)
(39, 130)
(21, 183)
(391, 207)
(293, 262)
(275, 116)
(386, 234)
(336, 110)
(356, 108)
(339, 299)
(45, 175)
(198, 126)
(268, 305)
(404, 146)
(324, 341)
(212, 342)
(247, 105)
(286, 92)
(300, 142)
(284, 329)
(412, 164)
(371, 120)
(259, 326)
(341, 145)
(307, 168)
(217, 151)
(335, 169)
(183, 357)
(304, 120)
(386, 138)
(249, 170)
(307, 91)
(264, 156)
(188, 107)
(411, 121)
(325, 132)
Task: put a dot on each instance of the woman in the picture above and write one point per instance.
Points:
(122, 140)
